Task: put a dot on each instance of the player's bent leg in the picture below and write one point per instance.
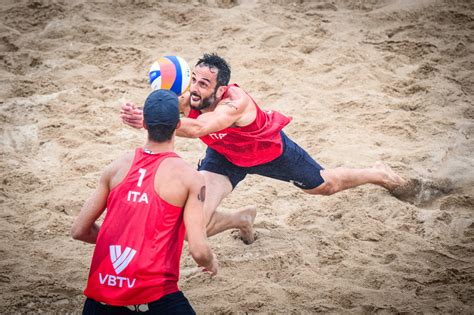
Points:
(338, 179)
(217, 188)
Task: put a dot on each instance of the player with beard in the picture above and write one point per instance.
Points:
(243, 139)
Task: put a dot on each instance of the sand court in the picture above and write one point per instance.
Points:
(363, 80)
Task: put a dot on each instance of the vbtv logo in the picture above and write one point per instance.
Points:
(120, 260)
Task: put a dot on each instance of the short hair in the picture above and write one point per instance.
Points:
(214, 61)
(160, 133)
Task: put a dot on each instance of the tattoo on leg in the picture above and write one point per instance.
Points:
(202, 194)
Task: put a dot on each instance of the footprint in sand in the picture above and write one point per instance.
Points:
(423, 192)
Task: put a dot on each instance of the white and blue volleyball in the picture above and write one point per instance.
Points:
(170, 73)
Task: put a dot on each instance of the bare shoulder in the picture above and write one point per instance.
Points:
(118, 169)
(175, 180)
(236, 100)
(235, 92)
(239, 103)
(121, 161)
(182, 170)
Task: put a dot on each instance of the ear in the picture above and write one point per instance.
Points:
(144, 125)
(178, 124)
(220, 91)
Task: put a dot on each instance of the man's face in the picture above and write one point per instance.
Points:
(203, 87)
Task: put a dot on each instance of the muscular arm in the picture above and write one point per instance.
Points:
(225, 115)
(230, 111)
(84, 227)
(195, 223)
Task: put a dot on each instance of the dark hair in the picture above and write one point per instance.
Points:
(214, 61)
(160, 133)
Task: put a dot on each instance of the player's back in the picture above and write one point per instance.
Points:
(171, 179)
(143, 230)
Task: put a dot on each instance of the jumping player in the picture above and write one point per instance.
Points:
(243, 139)
(152, 197)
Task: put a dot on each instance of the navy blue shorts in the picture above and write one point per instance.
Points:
(174, 303)
(294, 165)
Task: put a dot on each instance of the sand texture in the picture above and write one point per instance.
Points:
(365, 81)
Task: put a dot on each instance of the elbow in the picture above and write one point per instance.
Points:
(197, 133)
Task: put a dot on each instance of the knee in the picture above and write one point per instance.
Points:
(329, 187)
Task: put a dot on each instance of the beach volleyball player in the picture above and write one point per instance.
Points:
(152, 198)
(244, 139)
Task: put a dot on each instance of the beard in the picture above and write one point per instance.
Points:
(205, 102)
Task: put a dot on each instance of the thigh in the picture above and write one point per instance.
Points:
(174, 303)
(216, 163)
(217, 188)
(295, 165)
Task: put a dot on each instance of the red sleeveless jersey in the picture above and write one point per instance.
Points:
(255, 144)
(136, 258)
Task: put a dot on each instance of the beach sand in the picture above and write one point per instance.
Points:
(364, 81)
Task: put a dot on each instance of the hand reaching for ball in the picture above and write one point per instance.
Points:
(131, 115)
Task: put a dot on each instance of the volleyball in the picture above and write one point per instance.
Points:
(170, 73)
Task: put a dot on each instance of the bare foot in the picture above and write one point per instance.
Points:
(246, 218)
(390, 179)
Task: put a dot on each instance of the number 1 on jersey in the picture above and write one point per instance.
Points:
(142, 172)
(136, 196)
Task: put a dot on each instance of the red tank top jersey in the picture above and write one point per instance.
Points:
(138, 249)
(255, 144)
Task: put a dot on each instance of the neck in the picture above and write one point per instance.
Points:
(156, 147)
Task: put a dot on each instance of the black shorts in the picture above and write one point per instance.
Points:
(294, 165)
(174, 303)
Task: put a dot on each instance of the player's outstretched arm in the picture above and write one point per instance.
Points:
(84, 227)
(195, 223)
(227, 113)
